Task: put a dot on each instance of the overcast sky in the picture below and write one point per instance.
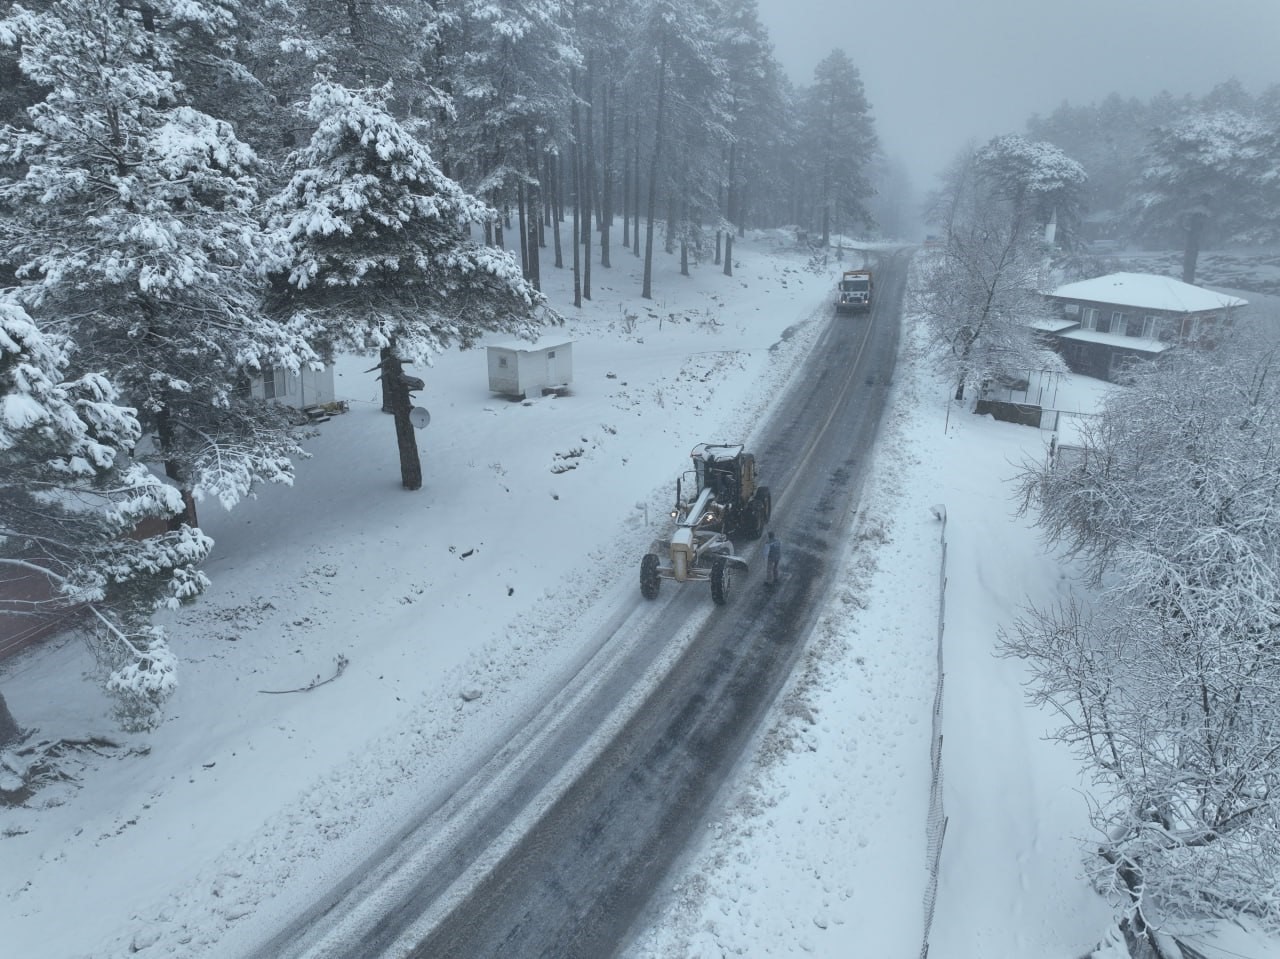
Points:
(941, 72)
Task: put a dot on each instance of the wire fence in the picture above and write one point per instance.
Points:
(936, 822)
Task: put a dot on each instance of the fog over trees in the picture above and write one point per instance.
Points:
(1174, 172)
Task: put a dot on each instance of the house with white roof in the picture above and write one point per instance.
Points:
(1104, 325)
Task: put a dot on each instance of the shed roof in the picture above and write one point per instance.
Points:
(538, 347)
(1053, 326)
(1147, 291)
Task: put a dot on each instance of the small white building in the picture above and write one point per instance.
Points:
(517, 372)
(301, 390)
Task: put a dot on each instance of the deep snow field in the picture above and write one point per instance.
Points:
(461, 607)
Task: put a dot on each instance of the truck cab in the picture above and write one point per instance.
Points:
(853, 294)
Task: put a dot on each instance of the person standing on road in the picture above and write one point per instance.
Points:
(772, 556)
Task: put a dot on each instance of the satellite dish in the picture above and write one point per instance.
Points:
(419, 417)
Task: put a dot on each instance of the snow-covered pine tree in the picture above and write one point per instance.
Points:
(679, 67)
(70, 496)
(753, 110)
(700, 136)
(1039, 182)
(1107, 138)
(379, 259)
(839, 141)
(1211, 175)
(132, 220)
(510, 73)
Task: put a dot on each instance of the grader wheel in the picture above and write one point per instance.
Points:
(721, 578)
(649, 581)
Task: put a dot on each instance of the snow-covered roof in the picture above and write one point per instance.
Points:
(1147, 291)
(1053, 326)
(1140, 343)
(538, 347)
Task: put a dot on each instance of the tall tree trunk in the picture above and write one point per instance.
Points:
(1191, 252)
(646, 289)
(533, 241)
(606, 175)
(524, 232)
(626, 184)
(635, 187)
(557, 206)
(684, 233)
(407, 443)
(588, 181)
(673, 226)
(548, 189)
(577, 200)
(728, 253)
(173, 469)
(731, 191)
(10, 733)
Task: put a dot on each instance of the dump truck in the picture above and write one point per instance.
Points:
(853, 295)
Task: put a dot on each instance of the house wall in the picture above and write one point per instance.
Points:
(1169, 327)
(1107, 361)
(1101, 360)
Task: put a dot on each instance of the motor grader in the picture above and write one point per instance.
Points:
(719, 498)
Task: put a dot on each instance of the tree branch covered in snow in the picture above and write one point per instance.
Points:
(70, 496)
(374, 240)
(134, 232)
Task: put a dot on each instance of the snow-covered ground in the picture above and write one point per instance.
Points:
(460, 607)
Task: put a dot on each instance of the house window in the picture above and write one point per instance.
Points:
(502, 362)
(1089, 319)
(1119, 322)
(273, 382)
(551, 354)
(1072, 309)
(1150, 326)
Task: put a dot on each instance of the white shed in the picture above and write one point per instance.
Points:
(301, 390)
(516, 372)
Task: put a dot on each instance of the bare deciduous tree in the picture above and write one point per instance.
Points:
(1169, 683)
